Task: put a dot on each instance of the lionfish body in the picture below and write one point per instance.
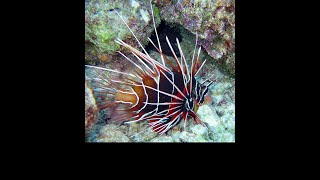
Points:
(160, 95)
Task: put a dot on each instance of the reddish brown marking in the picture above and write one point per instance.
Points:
(142, 98)
(196, 118)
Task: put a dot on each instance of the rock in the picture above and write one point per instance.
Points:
(162, 139)
(112, 133)
(176, 136)
(200, 130)
(227, 137)
(191, 137)
(91, 109)
(220, 130)
(207, 114)
(103, 26)
(139, 132)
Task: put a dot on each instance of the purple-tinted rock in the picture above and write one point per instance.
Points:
(213, 21)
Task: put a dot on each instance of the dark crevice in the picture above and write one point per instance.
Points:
(164, 30)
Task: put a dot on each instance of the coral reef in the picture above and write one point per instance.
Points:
(91, 109)
(103, 26)
(212, 20)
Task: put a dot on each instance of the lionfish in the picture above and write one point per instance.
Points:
(154, 93)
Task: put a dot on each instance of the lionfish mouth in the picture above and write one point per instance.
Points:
(155, 93)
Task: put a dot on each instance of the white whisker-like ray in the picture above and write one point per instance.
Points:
(179, 118)
(199, 50)
(132, 33)
(124, 102)
(126, 92)
(185, 79)
(175, 56)
(155, 29)
(147, 97)
(140, 60)
(99, 78)
(174, 85)
(169, 109)
(200, 67)
(157, 90)
(211, 77)
(165, 125)
(138, 99)
(148, 117)
(156, 79)
(159, 120)
(102, 80)
(147, 114)
(143, 56)
(166, 117)
(156, 73)
(167, 103)
(126, 83)
(172, 75)
(145, 118)
(158, 123)
(192, 70)
(100, 89)
(162, 66)
(170, 125)
(150, 126)
(132, 62)
(153, 124)
(184, 123)
(184, 59)
(101, 85)
(192, 62)
(134, 50)
(162, 92)
(111, 70)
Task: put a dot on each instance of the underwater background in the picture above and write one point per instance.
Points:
(212, 20)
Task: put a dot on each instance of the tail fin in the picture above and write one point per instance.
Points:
(108, 91)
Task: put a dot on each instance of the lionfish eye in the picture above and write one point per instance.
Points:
(189, 104)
